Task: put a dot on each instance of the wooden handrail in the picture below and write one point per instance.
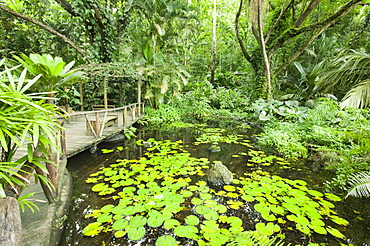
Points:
(100, 111)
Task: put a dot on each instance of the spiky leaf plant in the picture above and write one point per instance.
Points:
(360, 185)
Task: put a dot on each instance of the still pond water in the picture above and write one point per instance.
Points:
(204, 142)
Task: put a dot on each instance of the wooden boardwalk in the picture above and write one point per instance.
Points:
(78, 138)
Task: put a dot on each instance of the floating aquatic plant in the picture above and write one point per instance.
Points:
(153, 191)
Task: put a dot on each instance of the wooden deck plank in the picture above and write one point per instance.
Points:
(77, 139)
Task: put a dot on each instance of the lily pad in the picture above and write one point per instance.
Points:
(165, 240)
(171, 223)
(192, 220)
(186, 231)
(136, 233)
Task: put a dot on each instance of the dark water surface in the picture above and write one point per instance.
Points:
(355, 210)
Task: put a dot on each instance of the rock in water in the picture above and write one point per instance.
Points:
(219, 175)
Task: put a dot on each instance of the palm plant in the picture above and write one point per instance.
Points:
(360, 185)
(349, 76)
(55, 72)
(305, 83)
(27, 122)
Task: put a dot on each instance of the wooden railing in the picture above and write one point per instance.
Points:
(97, 125)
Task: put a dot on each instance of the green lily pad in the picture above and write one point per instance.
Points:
(165, 240)
(136, 233)
(138, 221)
(119, 234)
(192, 220)
(186, 231)
(211, 215)
(196, 201)
(267, 229)
(171, 223)
(155, 218)
(201, 209)
(92, 229)
(106, 217)
(220, 208)
(120, 224)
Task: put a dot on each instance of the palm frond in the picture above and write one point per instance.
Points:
(358, 96)
(347, 70)
(360, 185)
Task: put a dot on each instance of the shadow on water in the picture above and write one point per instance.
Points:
(356, 211)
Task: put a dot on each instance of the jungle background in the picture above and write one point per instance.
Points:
(299, 70)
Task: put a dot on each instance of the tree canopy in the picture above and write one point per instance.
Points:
(256, 39)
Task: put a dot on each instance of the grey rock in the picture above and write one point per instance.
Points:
(219, 175)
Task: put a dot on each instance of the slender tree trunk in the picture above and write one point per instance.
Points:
(47, 28)
(240, 40)
(267, 71)
(214, 40)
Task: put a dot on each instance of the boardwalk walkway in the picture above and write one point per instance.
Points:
(77, 138)
(43, 227)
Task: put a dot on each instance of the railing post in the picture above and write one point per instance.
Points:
(125, 117)
(97, 124)
(133, 113)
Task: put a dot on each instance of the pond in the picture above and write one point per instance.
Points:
(167, 198)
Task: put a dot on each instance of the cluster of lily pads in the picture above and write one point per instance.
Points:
(157, 192)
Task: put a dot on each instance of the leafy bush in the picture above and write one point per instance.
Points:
(277, 109)
(165, 114)
(285, 138)
(229, 99)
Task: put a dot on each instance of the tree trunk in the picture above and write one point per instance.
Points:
(240, 40)
(10, 221)
(267, 71)
(214, 39)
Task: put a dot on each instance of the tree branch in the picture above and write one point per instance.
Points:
(277, 21)
(293, 32)
(67, 6)
(240, 40)
(306, 13)
(47, 28)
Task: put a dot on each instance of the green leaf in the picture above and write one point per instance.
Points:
(186, 231)
(192, 220)
(119, 234)
(138, 221)
(333, 197)
(165, 240)
(155, 218)
(92, 229)
(338, 220)
(335, 232)
(171, 223)
(136, 233)
(120, 224)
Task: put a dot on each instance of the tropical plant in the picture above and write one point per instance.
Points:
(264, 110)
(360, 185)
(305, 83)
(349, 79)
(55, 72)
(162, 75)
(26, 122)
